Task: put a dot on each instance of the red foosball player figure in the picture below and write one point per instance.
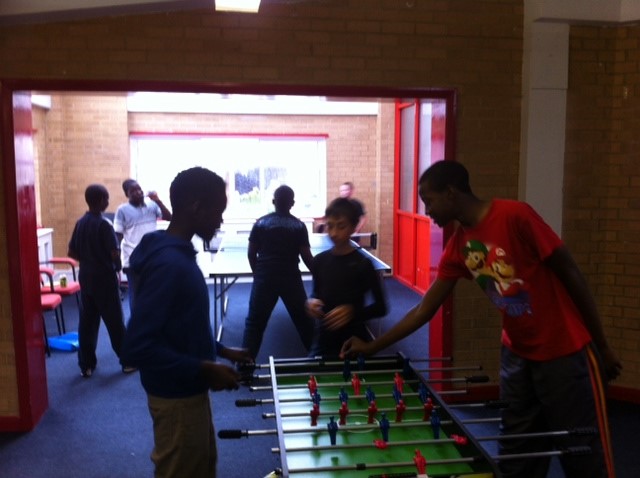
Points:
(315, 413)
(428, 408)
(373, 409)
(421, 464)
(312, 384)
(343, 412)
(355, 383)
(399, 381)
(400, 408)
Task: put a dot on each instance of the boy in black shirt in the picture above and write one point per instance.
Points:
(342, 277)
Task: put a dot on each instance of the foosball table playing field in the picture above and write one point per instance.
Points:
(376, 418)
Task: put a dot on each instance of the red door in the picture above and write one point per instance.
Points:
(424, 135)
(19, 200)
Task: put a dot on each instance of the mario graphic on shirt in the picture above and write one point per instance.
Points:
(494, 271)
(475, 258)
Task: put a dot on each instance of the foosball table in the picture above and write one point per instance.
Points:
(375, 418)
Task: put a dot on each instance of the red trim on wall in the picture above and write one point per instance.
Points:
(233, 135)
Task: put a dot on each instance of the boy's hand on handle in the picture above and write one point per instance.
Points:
(611, 363)
(354, 347)
(219, 377)
(314, 308)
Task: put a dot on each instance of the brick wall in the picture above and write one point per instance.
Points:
(474, 46)
(602, 180)
(352, 152)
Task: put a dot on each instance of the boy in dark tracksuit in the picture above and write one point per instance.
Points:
(93, 243)
(342, 278)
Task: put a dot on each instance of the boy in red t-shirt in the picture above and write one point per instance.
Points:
(553, 345)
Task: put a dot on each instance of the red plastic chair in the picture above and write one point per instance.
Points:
(50, 301)
(73, 286)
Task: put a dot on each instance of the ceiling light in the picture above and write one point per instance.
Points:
(247, 6)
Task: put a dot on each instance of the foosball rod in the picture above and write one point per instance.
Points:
(366, 411)
(350, 428)
(439, 441)
(470, 379)
(320, 362)
(578, 450)
(362, 373)
(252, 402)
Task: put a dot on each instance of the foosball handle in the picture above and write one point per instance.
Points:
(232, 434)
(247, 402)
(577, 450)
(478, 379)
(497, 404)
(583, 431)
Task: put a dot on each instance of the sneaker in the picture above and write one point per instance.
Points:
(128, 369)
(87, 372)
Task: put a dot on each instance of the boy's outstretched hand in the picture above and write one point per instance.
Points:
(219, 377)
(354, 347)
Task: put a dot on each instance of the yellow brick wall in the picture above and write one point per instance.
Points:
(602, 185)
(474, 46)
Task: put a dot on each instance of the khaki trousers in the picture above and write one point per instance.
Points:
(184, 437)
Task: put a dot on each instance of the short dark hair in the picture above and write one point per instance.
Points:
(442, 174)
(126, 184)
(343, 207)
(94, 194)
(196, 184)
(283, 197)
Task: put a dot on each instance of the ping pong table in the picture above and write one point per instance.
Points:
(229, 263)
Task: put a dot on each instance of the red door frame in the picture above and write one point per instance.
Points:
(20, 208)
(440, 327)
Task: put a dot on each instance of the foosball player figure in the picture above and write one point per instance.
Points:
(421, 464)
(397, 394)
(423, 392)
(399, 382)
(384, 427)
(435, 424)
(346, 370)
(370, 394)
(406, 367)
(400, 409)
(355, 383)
(360, 362)
(428, 408)
(343, 396)
(332, 426)
(315, 413)
(312, 384)
(372, 410)
(344, 411)
(315, 397)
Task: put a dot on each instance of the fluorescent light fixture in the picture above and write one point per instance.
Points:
(247, 6)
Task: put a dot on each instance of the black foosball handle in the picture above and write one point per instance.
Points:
(477, 379)
(583, 431)
(497, 404)
(577, 450)
(247, 402)
(225, 434)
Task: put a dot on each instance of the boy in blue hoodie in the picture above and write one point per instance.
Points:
(169, 336)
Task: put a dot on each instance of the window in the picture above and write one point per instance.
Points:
(253, 167)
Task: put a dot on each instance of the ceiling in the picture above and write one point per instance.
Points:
(40, 11)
